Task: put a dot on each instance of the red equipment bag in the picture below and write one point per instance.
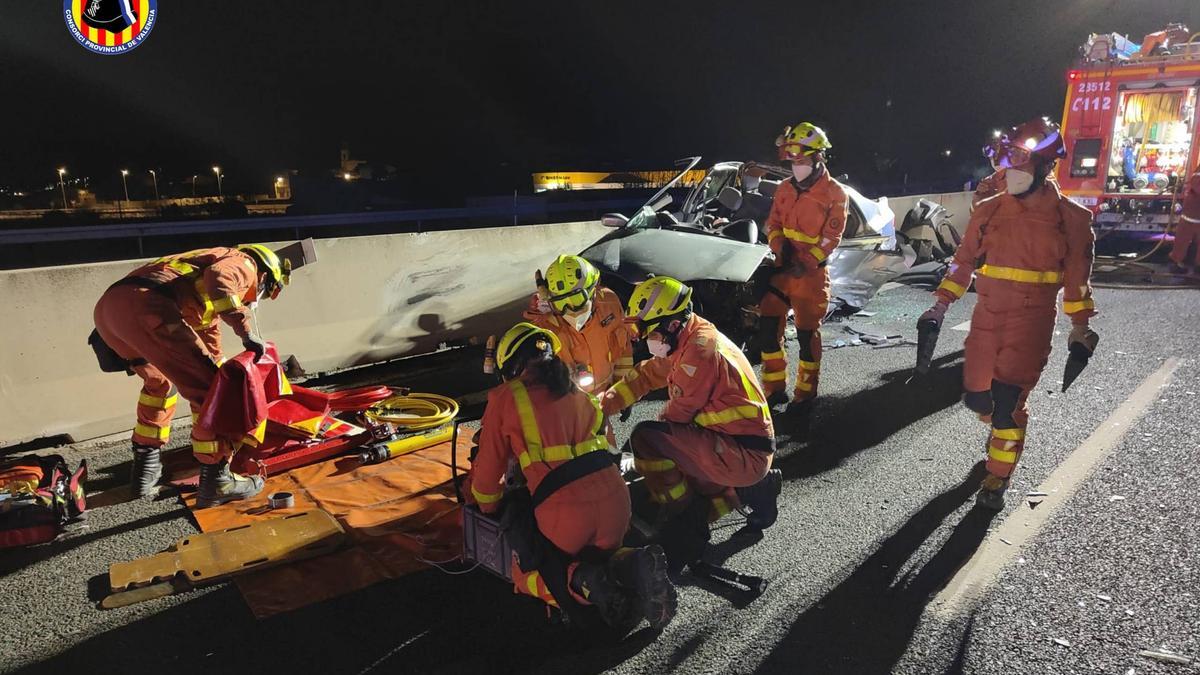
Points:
(38, 496)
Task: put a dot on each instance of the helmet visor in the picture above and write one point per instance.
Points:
(1014, 155)
(570, 302)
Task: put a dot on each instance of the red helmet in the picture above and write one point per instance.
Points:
(1038, 140)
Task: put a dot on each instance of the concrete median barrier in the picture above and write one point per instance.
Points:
(368, 299)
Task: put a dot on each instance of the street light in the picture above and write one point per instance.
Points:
(62, 186)
(220, 190)
(194, 177)
(346, 176)
(124, 173)
(155, 177)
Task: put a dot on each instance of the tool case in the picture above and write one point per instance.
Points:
(38, 496)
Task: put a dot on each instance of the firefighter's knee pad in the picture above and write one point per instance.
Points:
(979, 402)
(805, 338)
(1005, 397)
(768, 331)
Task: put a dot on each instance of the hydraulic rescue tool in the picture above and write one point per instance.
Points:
(1079, 353)
(410, 421)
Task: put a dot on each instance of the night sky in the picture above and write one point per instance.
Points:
(481, 94)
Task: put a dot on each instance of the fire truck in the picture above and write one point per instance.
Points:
(1130, 122)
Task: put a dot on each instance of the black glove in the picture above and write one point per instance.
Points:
(253, 343)
(625, 414)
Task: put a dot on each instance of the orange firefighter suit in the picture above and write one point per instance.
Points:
(1022, 251)
(715, 434)
(525, 424)
(1187, 230)
(803, 229)
(162, 318)
(603, 348)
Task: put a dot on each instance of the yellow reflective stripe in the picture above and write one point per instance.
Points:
(1005, 456)
(195, 417)
(225, 304)
(206, 447)
(810, 365)
(1020, 275)
(529, 425)
(795, 235)
(652, 465)
(774, 234)
(1009, 434)
(773, 356)
(256, 436)
(1076, 306)
(598, 425)
(952, 287)
(486, 497)
(818, 253)
(625, 360)
(561, 453)
(625, 392)
(531, 583)
(778, 376)
(804, 386)
(741, 412)
(721, 506)
(147, 431)
(678, 491)
(157, 402)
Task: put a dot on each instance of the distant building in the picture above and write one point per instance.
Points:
(593, 180)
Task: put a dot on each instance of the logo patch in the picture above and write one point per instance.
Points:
(690, 370)
(607, 320)
(110, 27)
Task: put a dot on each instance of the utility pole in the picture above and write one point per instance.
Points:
(155, 177)
(194, 177)
(220, 190)
(63, 186)
(124, 173)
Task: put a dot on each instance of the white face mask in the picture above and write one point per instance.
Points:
(581, 319)
(801, 171)
(1019, 182)
(657, 347)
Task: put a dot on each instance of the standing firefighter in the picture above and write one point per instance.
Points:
(588, 320)
(1187, 231)
(806, 223)
(161, 322)
(1023, 246)
(711, 451)
(576, 497)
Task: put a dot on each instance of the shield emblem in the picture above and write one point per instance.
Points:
(110, 15)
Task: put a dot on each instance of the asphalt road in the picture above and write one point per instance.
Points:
(875, 519)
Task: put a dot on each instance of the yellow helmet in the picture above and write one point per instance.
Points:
(278, 272)
(658, 299)
(518, 335)
(571, 281)
(802, 140)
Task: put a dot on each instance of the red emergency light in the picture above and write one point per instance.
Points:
(1074, 74)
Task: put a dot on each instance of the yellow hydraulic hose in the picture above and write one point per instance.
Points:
(414, 411)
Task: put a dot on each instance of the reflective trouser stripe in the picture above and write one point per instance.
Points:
(804, 386)
(645, 466)
(771, 356)
(157, 433)
(1009, 434)
(810, 365)
(720, 508)
(1006, 456)
(159, 403)
(206, 447)
(672, 494)
(774, 376)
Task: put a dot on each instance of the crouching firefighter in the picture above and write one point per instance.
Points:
(711, 450)
(1023, 246)
(161, 323)
(807, 219)
(567, 524)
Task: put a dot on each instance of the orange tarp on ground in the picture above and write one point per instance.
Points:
(394, 513)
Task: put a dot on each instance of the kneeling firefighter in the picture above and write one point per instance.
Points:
(711, 450)
(1023, 246)
(807, 219)
(588, 320)
(566, 528)
(160, 322)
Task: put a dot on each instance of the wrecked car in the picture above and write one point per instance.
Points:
(716, 242)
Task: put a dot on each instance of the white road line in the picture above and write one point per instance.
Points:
(966, 325)
(1006, 542)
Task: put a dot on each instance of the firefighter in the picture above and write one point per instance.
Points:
(588, 320)
(163, 320)
(805, 225)
(540, 420)
(712, 447)
(1023, 246)
(1187, 230)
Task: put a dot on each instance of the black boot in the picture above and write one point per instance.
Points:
(146, 472)
(991, 493)
(762, 498)
(219, 485)
(591, 581)
(685, 535)
(644, 572)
